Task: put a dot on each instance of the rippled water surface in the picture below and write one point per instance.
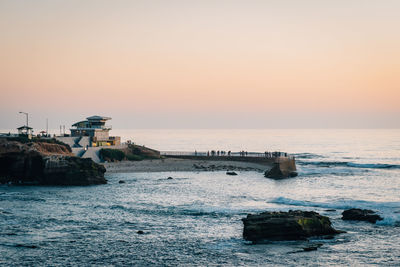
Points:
(195, 218)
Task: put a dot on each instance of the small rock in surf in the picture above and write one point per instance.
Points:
(361, 215)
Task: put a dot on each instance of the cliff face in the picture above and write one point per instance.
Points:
(46, 164)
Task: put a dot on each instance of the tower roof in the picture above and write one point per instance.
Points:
(24, 128)
(98, 118)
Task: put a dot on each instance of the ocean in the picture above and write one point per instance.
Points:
(195, 218)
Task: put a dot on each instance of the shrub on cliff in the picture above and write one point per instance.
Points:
(131, 153)
(111, 154)
(134, 157)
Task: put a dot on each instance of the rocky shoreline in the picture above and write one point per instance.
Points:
(46, 163)
(190, 165)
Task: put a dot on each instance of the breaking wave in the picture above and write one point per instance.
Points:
(307, 156)
(177, 211)
(350, 164)
(390, 211)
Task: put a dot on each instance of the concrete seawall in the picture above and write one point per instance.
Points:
(287, 165)
(259, 160)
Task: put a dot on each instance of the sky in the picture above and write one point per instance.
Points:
(201, 64)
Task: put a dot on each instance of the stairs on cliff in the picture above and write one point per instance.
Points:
(92, 153)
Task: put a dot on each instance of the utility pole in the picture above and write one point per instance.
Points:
(27, 120)
(47, 127)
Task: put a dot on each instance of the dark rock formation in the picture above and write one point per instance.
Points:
(121, 181)
(46, 164)
(292, 225)
(231, 173)
(170, 178)
(281, 170)
(361, 215)
(312, 247)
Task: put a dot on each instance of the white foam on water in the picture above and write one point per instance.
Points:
(390, 211)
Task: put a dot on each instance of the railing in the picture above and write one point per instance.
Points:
(93, 127)
(9, 135)
(275, 154)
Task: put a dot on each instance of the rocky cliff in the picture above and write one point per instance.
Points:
(46, 163)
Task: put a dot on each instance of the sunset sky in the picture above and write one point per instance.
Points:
(201, 64)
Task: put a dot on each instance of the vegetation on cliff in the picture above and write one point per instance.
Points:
(131, 153)
(25, 140)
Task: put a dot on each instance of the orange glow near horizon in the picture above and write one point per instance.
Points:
(139, 56)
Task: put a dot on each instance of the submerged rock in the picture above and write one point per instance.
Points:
(361, 215)
(121, 181)
(312, 247)
(231, 173)
(292, 225)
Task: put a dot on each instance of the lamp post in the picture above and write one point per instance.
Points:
(27, 125)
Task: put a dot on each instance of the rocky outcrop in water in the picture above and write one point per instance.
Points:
(280, 171)
(292, 225)
(361, 215)
(46, 164)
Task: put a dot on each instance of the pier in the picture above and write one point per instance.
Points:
(266, 158)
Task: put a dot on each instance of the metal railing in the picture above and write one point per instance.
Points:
(9, 135)
(275, 154)
(93, 127)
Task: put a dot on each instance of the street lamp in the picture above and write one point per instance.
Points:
(26, 117)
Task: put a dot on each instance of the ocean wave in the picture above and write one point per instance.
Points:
(307, 155)
(304, 171)
(350, 164)
(159, 210)
(386, 209)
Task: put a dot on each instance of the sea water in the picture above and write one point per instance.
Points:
(195, 218)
